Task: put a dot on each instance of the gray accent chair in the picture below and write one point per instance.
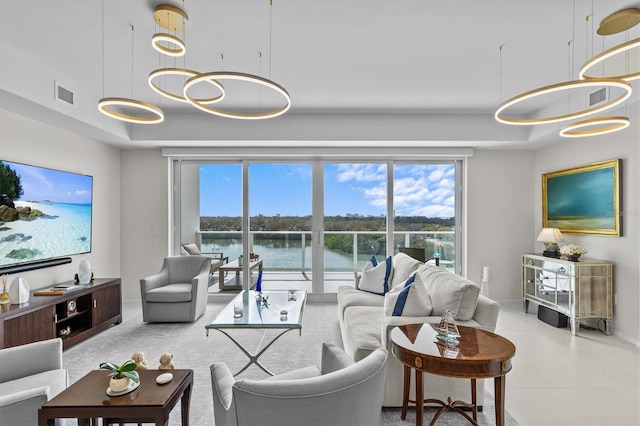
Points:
(30, 375)
(340, 392)
(178, 293)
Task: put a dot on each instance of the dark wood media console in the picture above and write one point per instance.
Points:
(82, 312)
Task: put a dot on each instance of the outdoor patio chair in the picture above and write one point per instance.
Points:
(217, 257)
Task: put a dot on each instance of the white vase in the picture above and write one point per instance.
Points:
(119, 385)
(84, 272)
(19, 291)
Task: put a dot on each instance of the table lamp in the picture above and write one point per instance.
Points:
(550, 237)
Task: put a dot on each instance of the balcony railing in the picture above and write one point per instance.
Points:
(345, 251)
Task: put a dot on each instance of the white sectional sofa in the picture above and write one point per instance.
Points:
(364, 326)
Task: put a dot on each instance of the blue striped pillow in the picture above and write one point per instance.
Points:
(376, 277)
(409, 299)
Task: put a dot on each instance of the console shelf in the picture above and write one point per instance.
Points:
(73, 316)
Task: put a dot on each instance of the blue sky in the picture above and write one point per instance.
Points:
(40, 184)
(285, 189)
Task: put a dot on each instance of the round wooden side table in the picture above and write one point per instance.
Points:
(480, 354)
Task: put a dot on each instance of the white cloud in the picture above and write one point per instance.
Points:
(418, 190)
(361, 172)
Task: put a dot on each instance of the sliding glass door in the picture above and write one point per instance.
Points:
(424, 202)
(355, 220)
(315, 223)
(280, 222)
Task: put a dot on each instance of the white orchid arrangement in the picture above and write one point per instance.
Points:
(572, 250)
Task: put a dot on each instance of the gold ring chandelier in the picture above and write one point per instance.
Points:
(186, 74)
(612, 24)
(595, 126)
(214, 76)
(568, 85)
(105, 105)
(172, 18)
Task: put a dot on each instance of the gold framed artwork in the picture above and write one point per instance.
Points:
(583, 200)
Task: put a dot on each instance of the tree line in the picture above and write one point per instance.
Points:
(370, 244)
(10, 182)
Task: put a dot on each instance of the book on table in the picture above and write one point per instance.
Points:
(59, 290)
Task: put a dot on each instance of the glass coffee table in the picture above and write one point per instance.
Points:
(283, 310)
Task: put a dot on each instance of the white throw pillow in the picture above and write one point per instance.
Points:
(376, 276)
(450, 291)
(410, 299)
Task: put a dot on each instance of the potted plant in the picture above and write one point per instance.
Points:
(121, 375)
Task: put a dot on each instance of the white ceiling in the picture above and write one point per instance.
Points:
(359, 72)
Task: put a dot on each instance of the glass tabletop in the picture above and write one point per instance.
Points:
(275, 309)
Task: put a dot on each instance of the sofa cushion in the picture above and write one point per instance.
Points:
(403, 267)
(364, 332)
(410, 299)
(172, 293)
(349, 296)
(55, 379)
(449, 291)
(376, 276)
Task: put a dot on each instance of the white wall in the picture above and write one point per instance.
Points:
(26, 141)
(623, 251)
(500, 218)
(145, 214)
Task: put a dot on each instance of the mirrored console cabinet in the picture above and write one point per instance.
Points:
(579, 290)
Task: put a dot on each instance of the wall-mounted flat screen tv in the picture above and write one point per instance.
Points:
(44, 214)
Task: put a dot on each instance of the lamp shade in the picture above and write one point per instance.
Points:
(550, 235)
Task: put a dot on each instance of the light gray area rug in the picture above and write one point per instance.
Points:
(191, 348)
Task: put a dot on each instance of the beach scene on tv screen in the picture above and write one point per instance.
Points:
(44, 213)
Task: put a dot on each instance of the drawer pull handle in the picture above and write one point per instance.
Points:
(562, 270)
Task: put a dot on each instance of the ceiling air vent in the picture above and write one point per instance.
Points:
(598, 96)
(63, 94)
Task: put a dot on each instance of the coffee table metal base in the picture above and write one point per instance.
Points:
(253, 358)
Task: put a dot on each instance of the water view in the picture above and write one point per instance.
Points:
(64, 229)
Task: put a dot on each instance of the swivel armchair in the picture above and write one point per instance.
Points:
(340, 392)
(178, 293)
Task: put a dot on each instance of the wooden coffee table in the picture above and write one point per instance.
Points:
(87, 400)
(480, 354)
(235, 266)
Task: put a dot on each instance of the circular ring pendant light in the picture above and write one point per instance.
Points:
(250, 78)
(159, 38)
(607, 54)
(586, 127)
(188, 74)
(105, 104)
(568, 85)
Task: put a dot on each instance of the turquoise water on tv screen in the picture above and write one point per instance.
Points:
(63, 230)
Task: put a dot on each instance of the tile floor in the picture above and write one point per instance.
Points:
(560, 379)
(557, 378)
